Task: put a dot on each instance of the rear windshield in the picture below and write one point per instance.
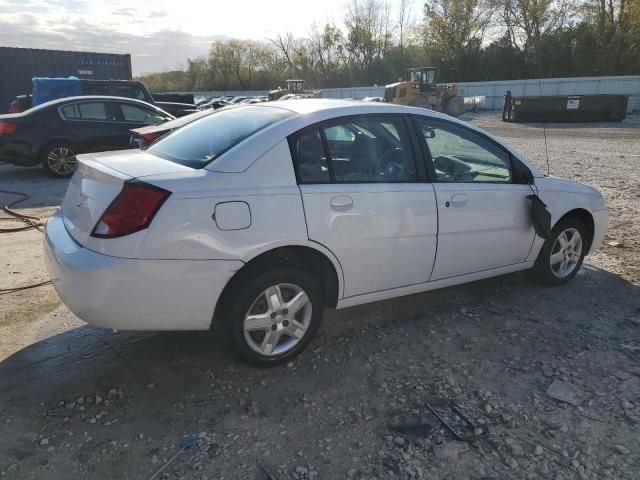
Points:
(201, 142)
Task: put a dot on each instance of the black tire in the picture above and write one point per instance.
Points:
(543, 271)
(454, 106)
(246, 298)
(60, 149)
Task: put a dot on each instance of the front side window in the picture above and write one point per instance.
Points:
(371, 149)
(133, 113)
(85, 111)
(461, 155)
(128, 90)
(200, 142)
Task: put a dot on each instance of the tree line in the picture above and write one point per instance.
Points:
(468, 40)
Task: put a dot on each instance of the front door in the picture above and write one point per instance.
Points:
(364, 201)
(484, 221)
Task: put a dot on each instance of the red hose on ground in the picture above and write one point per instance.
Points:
(30, 223)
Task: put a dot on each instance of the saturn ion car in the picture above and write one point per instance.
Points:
(257, 217)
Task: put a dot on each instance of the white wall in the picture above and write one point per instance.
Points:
(490, 95)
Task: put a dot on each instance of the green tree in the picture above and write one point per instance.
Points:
(453, 33)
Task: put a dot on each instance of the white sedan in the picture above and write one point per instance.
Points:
(257, 217)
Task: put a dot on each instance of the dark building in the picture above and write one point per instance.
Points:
(19, 65)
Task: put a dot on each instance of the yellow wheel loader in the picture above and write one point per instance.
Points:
(295, 89)
(421, 90)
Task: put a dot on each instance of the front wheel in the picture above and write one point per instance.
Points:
(562, 254)
(454, 106)
(274, 316)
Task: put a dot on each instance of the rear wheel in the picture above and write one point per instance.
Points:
(59, 159)
(563, 253)
(274, 316)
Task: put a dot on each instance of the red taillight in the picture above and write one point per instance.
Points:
(7, 127)
(149, 137)
(131, 211)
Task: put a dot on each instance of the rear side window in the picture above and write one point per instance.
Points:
(85, 111)
(197, 144)
(311, 162)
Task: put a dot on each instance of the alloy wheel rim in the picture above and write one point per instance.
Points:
(566, 253)
(62, 160)
(277, 320)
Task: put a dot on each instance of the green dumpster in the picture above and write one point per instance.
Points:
(574, 108)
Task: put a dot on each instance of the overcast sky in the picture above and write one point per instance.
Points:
(159, 34)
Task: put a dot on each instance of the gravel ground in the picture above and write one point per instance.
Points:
(548, 378)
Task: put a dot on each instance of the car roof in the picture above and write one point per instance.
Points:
(104, 98)
(321, 107)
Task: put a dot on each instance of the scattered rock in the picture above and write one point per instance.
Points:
(450, 450)
(621, 449)
(399, 441)
(566, 392)
(510, 462)
(615, 243)
(538, 450)
(516, 450)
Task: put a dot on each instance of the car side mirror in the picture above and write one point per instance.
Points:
(429, 133)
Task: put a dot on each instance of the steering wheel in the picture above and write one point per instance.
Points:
(392, 168)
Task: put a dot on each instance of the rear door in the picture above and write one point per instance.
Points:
(366, 200)
(93, 124)
(484, 220)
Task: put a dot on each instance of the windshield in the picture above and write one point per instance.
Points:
(197, 144)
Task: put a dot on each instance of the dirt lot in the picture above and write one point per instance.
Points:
(79, 402)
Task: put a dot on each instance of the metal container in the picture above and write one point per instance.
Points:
(577, 108)
(19, 65)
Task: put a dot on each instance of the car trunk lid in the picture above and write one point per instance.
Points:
(98, 181)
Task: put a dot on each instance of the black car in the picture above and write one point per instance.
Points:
(143, 136)
(121, 88)
(53, 133)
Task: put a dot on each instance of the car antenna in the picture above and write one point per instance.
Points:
(544, 131)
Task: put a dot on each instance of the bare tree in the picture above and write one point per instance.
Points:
(369, 31)
(405, 20)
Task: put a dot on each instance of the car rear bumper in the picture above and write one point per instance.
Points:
(18, 153)
(133, 294)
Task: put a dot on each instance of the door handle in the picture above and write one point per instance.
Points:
(459, 200)
(341, 203)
